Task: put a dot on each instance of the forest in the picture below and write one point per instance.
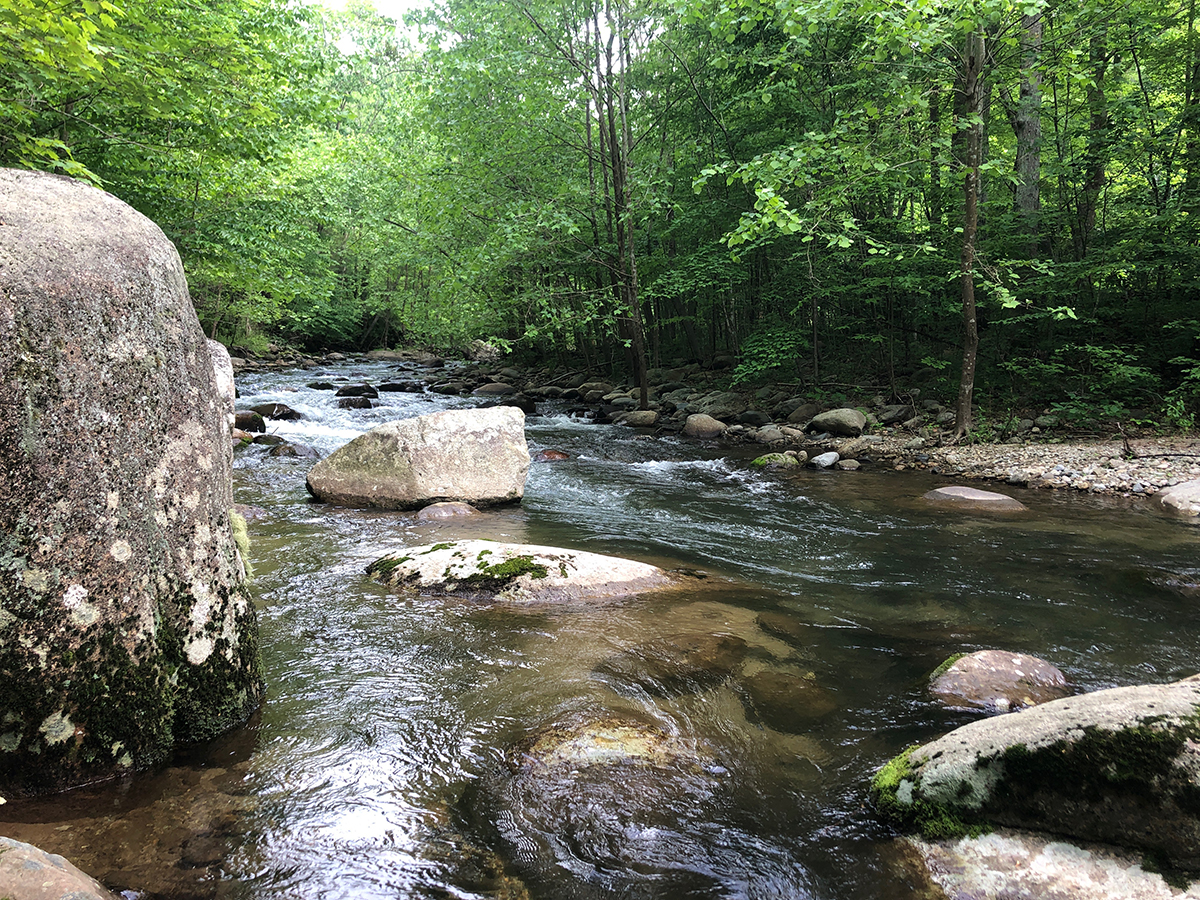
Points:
(989, 199)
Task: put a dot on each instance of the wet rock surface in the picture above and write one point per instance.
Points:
(28, 873)
(998, 681)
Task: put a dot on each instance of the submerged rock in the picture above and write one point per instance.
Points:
(449, 509)
(1120, 766)
(124, 624)
(676, 665)
(27, 873)
(973, 499)
(516, 572)
(997, 681)
(787, 702)
(478, 456)
(616, 805)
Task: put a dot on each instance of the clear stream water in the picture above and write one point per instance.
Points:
(387, 716)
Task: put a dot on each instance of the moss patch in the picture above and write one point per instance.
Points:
(497, 576)
(383, 568)
(944, 667)
(895, 791)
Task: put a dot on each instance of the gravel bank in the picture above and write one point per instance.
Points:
(1099, 467)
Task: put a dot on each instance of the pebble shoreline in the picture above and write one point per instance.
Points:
(1097, 467)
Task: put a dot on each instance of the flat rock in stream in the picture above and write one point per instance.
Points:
(521, 573)
(970, 498)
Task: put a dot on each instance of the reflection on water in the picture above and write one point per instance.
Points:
(396, 755)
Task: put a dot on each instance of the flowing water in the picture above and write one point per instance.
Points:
(380, 764)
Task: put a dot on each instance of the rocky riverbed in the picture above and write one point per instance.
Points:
(910, 435)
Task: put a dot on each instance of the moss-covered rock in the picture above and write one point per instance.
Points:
(1120, 766)
(515, 572)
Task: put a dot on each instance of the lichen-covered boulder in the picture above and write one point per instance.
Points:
(1181, 499)
(515, 572)
(124, 626)
(997, 681)
(27, 873)
(478, 456)
(1120, 766)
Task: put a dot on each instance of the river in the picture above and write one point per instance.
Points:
(388, 716)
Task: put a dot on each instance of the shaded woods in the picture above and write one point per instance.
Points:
(827, 192)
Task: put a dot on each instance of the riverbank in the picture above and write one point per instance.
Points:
(1093, 466)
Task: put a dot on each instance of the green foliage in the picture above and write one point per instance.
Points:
(770, 352)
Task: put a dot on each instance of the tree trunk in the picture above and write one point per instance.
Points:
(1027, 126)
(972, 106)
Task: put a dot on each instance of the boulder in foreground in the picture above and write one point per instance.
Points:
(124, 625)
(1120, 766)
(28, 873)
(516, 572)
(478, 456)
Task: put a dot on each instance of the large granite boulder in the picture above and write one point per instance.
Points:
(515, 572)
(997, 681)
(478, 456)
(1120, 766)
(1181, 499)
(124, 626)
(845, 421)
(27, 873)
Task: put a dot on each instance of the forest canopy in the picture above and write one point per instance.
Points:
(827, 191)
